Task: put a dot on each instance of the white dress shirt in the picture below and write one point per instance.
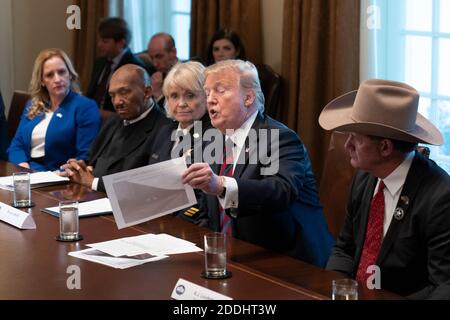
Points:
(231, 198)
(394, 185)
(38, 136)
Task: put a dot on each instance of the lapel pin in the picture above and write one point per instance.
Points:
(59, 115)
(405, 200)
(399, 213)
(196, 135)
(155, 156)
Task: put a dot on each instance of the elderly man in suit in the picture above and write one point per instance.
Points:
(114, 37)
(125, 139)
(396, 234)
(269, 202)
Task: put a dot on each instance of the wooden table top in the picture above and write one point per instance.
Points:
(33, 265)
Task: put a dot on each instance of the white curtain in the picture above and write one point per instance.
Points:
(146, 18)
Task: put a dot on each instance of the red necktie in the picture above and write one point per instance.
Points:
(374, 235)
(226, 169)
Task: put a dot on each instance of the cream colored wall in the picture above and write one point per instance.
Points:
(37, 25)
(272, 17)
(34, 25)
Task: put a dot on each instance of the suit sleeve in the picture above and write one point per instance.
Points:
(19, 150)
(437, 233)
(87, 126)
(275, 192)
(342, 258)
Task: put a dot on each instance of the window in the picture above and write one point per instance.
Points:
(409, 41)
(149, 17)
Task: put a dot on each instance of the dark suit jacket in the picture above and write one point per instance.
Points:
(99, 65)
(162, 151)
(134, 154)
(279, 211)
(415, 254)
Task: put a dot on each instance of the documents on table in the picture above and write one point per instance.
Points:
(132, 251)
(37, 179)
(115, 262)
(87, 208)
(149, 192)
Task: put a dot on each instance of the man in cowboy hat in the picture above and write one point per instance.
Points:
(397, 231)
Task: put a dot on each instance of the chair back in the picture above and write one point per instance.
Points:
(335, 183)
(19, 99)
(271, 87)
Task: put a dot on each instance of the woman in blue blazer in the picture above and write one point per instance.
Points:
(57, 123)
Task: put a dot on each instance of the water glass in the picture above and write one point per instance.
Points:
(22, 190)
(68, 220)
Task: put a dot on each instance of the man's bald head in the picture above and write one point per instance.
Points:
(130, 91)
(162, 52)
(133, 73)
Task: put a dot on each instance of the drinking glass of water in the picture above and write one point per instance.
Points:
(215, 256)
(344, 289)
(68, 221)
(22, 190)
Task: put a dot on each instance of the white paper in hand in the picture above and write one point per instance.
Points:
(148, 192)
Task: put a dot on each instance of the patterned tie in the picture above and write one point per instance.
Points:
(100, 92)
(226, 169)
(374, 235)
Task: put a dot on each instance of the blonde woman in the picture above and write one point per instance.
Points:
(57, 123)
(185, 104)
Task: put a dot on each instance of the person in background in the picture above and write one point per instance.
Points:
(225, 44)
(185, 103)
(271, 202)
(163, 54)
(57, 123)
(397, 228)
(114, 38)
(126, 138)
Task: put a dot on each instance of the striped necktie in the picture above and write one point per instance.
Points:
(226, 169)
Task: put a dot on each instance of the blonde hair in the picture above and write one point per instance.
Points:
(248, 77)
(187, 75)
(39, 94)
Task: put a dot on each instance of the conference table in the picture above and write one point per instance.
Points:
(33, 265)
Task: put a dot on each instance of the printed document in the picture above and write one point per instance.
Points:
(149, 192)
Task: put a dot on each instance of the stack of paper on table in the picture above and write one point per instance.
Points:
(86, 209)
(37, 179)
(132, 251)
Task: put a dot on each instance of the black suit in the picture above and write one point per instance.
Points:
(131, 153)
(415, 253)
(162, 151)
(279, 211)
(99, 65)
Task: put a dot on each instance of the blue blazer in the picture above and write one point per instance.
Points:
(73, 127)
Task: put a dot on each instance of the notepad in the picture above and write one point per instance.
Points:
(86, 209)
(37, 180)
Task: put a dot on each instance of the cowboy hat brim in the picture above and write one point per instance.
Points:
(337, 115)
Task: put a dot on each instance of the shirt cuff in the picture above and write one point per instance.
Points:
(94, 184)
(231, 198)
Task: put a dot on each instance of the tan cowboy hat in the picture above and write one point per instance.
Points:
(381, 108)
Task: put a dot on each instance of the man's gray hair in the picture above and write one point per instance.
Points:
(248, 77)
